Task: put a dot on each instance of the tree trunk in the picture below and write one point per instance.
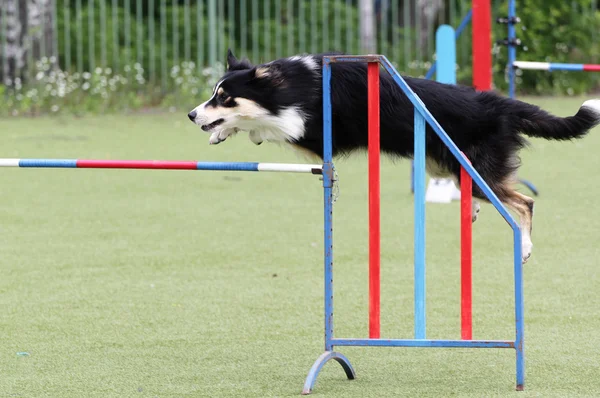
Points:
(28, 26)
(367, 27)
(430, 10)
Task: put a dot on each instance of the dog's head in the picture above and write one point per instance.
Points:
(241, 99)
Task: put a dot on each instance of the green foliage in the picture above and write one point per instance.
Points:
(161, 56)
(104, 90)
(552, 31)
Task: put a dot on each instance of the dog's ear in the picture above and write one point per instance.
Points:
(234, 64)
(272, 71)
(232, 61)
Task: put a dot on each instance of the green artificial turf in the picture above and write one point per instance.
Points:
(188, 283)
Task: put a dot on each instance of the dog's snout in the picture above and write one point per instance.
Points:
(192, 115)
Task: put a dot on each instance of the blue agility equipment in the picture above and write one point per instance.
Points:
(422, 117)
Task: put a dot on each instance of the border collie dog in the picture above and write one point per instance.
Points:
(282, 101)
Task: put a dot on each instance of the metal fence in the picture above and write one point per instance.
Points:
(80, 35)
(156, 35)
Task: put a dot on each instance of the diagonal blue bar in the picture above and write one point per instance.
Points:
(420, 106)
(419, 253)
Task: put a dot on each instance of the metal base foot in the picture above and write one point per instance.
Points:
(316, 368)
(529, 185)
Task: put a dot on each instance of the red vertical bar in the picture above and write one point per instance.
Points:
(374, 196)
(466, 246)
(482, 47)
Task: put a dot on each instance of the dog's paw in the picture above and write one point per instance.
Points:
(255, 137)
(475, 211)
(215, 139)
(526, 249)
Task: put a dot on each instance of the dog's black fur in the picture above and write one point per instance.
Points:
(487, 127)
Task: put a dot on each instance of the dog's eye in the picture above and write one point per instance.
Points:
(222, 97)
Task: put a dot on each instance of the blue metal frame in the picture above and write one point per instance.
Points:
(421, 115)
(512, 49)
(463, 24)
(419, 288)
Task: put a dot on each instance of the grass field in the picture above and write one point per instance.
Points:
(179, 283)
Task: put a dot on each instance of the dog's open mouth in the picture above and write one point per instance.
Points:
(208, 127)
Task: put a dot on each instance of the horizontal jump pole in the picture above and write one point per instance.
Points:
(161, 165)
(550, 66)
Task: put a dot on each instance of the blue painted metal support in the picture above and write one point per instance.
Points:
(425, 343)
(445, 48)
(419, 253)
(316, 368)
(512, 48)
(461, 27)
(519, 311)
(328, 181)
(421, 115)
(328, 205)
(512, 57)
(529, 185)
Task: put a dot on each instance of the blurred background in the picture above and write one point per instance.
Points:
(101, 55)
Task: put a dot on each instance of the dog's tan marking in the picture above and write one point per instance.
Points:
(262, 72)
(434, 169)
(220, 91)
(523, 206)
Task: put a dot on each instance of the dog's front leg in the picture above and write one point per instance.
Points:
(255, 137)
(220, 136)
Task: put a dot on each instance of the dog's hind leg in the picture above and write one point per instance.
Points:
(475, 210)
(523, 206)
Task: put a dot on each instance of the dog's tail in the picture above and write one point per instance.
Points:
(535, 122)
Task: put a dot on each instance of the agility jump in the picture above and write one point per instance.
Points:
(327, 170)
(421, 117)
(161, 165)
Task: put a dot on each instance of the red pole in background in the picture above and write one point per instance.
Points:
(374, 197)
(482, 80)
(482, 47)
(466, 253)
